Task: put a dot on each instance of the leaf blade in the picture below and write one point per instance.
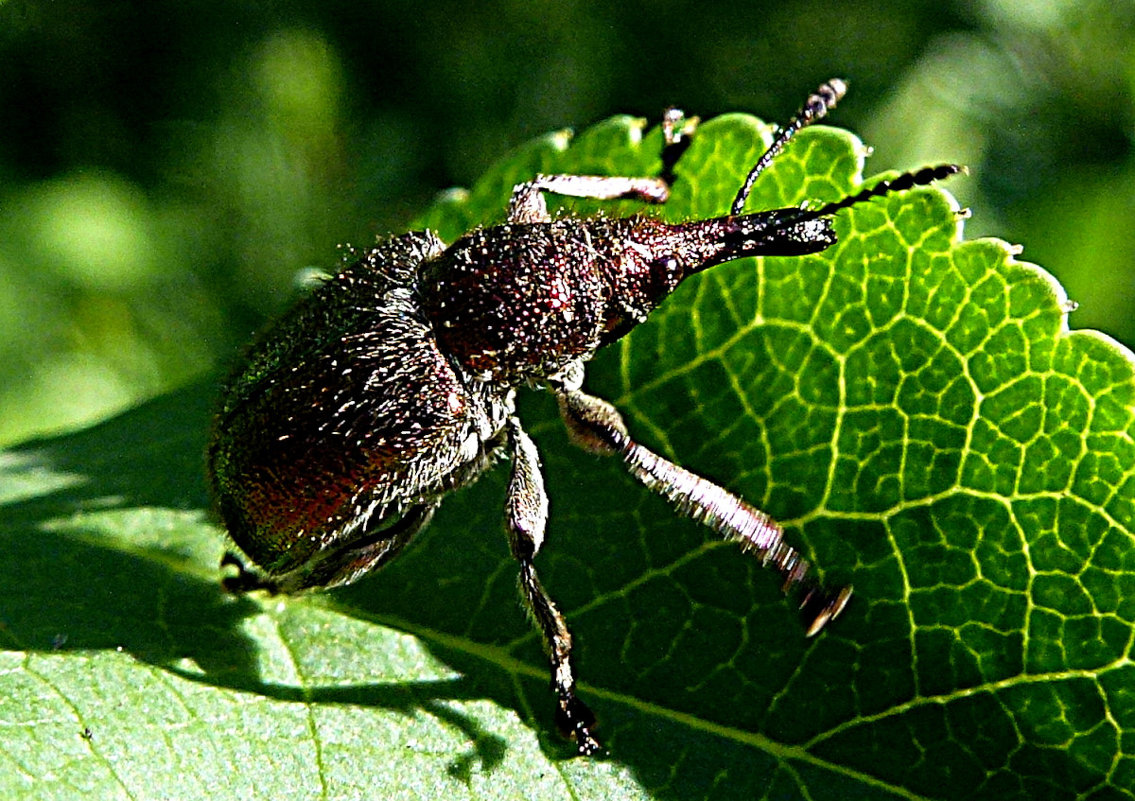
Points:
(913, 407)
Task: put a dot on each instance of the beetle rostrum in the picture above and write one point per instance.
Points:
(394, 383)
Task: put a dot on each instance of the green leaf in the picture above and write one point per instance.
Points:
(911, 406)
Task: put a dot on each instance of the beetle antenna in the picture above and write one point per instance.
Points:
(908, 180)
(815, 108)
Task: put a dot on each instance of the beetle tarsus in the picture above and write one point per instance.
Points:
(819, 607)
(527, 516)
(245, 580)
(677, 134)
(575, 720)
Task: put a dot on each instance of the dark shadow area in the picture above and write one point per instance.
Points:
(486, 748)
(150, 455)
(69, 592)
(70, 588)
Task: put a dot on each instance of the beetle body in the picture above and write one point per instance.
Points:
(394, 383)
(325, 439)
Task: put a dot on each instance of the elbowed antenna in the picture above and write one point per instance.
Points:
(815, 108)
(795, 231)
(908, 180)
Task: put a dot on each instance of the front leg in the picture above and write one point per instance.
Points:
(597, 426)
(527, 513)
(527, 204)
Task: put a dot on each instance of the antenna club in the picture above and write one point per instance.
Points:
(825, 98)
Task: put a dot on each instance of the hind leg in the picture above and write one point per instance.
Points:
(335, 567)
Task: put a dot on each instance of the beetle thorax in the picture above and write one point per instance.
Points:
(522, 301)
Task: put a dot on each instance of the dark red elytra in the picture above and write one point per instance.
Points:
(394, 384)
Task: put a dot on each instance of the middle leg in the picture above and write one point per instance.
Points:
(527, 513)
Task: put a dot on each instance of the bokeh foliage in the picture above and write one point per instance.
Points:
(167, 168)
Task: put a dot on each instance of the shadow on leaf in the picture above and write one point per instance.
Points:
(81, 583)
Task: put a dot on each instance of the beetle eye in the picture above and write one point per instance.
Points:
(666, 273)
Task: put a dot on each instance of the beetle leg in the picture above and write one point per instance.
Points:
(369, 552)
(527, 204)
(340, 566)
(677, 134)
(527, 513)
(597, 426)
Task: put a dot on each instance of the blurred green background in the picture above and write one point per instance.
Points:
(166, 169)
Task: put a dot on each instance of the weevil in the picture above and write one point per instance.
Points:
(393, 384)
